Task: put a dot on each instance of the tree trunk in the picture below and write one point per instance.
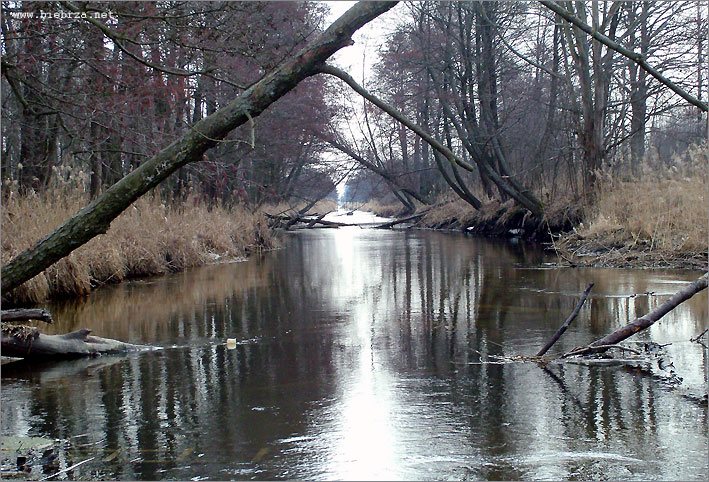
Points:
(25, 314)
(27, 342)
(96, 218)
(647, 320)
(638, 94)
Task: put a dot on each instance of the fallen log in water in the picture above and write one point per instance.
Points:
(309, 220)
(644, 321)
(318, 219)
(401, 221)
(333, 224)
(27, 342)
(26, 314)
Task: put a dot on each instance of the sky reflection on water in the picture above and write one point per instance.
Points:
(358, 358)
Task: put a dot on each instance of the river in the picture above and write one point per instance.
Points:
(370, 354)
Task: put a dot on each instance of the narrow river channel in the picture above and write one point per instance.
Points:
(359, 357)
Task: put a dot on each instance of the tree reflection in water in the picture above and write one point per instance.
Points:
(358, 359)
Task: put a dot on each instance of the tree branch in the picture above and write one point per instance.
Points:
(634, 56)
(96, 218)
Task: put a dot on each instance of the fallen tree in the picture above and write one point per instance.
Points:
(644, 321)
(309, 220)
(26, 314)
(96, 218)
(27, 342)
(407, 219)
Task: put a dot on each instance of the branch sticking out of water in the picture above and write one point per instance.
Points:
(595, 348)
(566, 324)
(646, 320)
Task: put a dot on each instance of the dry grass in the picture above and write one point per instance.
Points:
(450, 209)
(148, 238)
(663, 216)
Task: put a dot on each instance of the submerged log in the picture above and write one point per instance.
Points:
(27, 342)
(25, 314)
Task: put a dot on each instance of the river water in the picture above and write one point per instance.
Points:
(368, 354)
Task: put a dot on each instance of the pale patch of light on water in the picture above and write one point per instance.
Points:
(357, 217)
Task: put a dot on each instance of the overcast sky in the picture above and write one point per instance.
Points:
(359, 58)
(367, 40)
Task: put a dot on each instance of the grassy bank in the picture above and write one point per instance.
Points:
(149, 238)
(494, 218)
(658, 220)
(647, 223)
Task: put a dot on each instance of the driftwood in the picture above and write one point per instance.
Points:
(27, 342)
(400, 221)
(644, 321)
(25, 314)
(319, 218)
(298, 218)
(566, 324)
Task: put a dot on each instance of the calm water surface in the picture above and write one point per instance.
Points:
(359, 357)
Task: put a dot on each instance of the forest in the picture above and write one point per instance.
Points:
(490, 109)
(319, 266)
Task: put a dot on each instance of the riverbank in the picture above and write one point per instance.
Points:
(149, 238)
(652, 223)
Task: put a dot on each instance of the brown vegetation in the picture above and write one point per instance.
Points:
(493, 218)
(149, 238)
(662, 219)
(658, 220)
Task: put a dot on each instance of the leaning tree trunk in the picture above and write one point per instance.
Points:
(428, 138)
(96, 218)
(376, 169)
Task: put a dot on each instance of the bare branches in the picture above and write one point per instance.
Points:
(635, 57)
(118, 39)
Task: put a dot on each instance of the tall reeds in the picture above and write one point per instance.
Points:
(149, 238)
(665, 210)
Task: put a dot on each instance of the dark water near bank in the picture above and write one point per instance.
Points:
(359, 358)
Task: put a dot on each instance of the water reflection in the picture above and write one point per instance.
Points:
(358, 358)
